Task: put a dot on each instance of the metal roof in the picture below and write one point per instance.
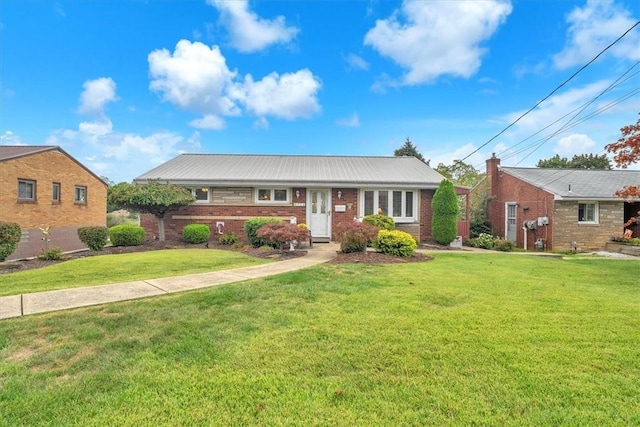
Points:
(587, 184)
(13, 151)
(289, 170)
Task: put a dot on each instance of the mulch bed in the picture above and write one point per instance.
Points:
(371, 257)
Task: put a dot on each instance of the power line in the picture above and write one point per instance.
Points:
(553, 91)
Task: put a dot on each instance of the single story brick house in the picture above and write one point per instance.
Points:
(558, 209)
(44, 186)
(321, 191)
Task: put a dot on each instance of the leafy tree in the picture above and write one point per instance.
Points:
(460, 173)
(409, 150)
(153, 198)
(579, 161)
(444, 218)
(627, 151)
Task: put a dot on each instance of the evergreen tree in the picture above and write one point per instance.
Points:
(409, 150)
(444, 218)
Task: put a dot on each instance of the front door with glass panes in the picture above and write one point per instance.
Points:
(319, 212)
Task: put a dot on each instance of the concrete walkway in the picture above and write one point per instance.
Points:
(41, 302)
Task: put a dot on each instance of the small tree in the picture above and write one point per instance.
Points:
(627, 152)
(444, 218)
(281, 233)
(153, 198)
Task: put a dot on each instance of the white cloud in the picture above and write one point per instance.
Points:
(356, 62)
(353, 121)
(210, 121)
(592, 28)
(96, 128)
(287, 96)
(96, 94)
(195, 77)
(576, 143)
(248, 32)
(10, 138)
(431, 39)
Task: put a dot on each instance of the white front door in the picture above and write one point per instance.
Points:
(319, 212)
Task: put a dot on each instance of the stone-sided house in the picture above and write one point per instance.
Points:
(44, 186)
(320, 191)
(558, 209)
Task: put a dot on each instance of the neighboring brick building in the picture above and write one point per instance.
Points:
(321, 191)
(552, 208)
(43, 186)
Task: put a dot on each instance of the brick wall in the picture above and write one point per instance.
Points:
(532, 203)
(234, 216)
(64, 217)
(589, 237)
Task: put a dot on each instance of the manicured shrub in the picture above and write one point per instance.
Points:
(126, 235)
(281, 233)
(503, 245)
(228, 239)
(94, 237)
(251, 227)
(444, 206)
(196, 233)
(395, 242)
(354, 236)
(383, 222)
(10, 235)
(51, 254)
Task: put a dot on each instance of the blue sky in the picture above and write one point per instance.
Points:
(126, 85)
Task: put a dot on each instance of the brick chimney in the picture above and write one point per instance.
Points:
(492, 173)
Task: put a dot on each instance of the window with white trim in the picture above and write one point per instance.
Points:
(398, 204)
(80, 194)
(201, 194)
(26, 190)
(272, 195)
(588, 212)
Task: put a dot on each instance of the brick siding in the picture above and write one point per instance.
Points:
(63, 217)
(588, 237)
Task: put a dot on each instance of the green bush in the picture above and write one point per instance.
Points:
(383, 222)
(503, 245)
(476, 228)
(251, 227)
(10, 235)
(94, 237)
(483, 241)
(395, 242)
(196, 233)
(228, 238)
(52, 254)
(444, 206)
(354, 236)
(126, 235)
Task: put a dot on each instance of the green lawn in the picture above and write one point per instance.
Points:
(466, 339)
(105, 269)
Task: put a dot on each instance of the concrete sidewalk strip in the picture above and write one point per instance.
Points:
(81, 297)
(40, 302)
(10, 306)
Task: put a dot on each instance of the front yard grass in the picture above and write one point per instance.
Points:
(466, 339)
(105, 269)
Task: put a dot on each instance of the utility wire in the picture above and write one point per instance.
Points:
(553, 91)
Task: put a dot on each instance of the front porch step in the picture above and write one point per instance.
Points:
(321, 239)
